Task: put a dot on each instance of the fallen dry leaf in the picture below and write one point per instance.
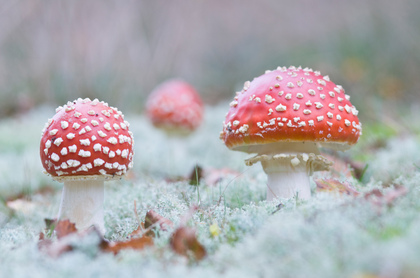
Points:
(184, 242)
(153, 218)
(64, 228)
(334, 185)
(135, 243)
(378, 198)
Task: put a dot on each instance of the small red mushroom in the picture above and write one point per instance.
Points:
(284, 115)
(84, 144)
(176, 107)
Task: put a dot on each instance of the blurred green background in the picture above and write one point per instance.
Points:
(118, 51)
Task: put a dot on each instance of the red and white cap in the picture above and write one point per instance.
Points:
(87, 140)
(175, 106)
(291, 105)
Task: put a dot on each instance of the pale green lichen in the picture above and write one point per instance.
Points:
(327, 236)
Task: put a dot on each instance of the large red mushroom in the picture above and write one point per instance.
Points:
(175, 107)
(283, 116)
(84, 144)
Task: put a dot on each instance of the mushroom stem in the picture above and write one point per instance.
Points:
(82, 204)
(285, 180)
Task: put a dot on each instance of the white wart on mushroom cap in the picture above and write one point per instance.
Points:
(86, 140)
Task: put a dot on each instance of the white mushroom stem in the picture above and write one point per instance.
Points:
(82, 203)
(288, 167)
(285, 180)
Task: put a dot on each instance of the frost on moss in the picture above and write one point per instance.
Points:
(327, 236)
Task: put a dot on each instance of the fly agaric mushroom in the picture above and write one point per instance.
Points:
(284, 115)
(175, 107)
(84, 144)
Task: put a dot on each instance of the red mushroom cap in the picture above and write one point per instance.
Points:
(291, 105)
(86, 140)
(175, 105)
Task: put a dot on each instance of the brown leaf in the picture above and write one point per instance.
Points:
(334, 185)
(376, 197)
(185, 243)
(64, 228)
(135, 243)
(153, 218)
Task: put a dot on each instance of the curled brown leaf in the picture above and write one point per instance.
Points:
(184, 242)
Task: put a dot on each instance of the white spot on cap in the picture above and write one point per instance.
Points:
(91, 112)
(329, 123)
(73, 149)
(58, 141)
(348, 108)
(307, 111)
(311, 123)
(269, 99)
(88, 128)
(101, 133)
(84, 153)
(98, 162)
(93, 138)
(77, 114)
(70, 135)
(299, 95)
(53, 132)
(97, 147)
(332, 94)
(331, 105)
(73, 163)
(338, 117)
(322, 96)
(347, 122)
(82, 131)
(311, 92)
(108, 165)
(76, 126)
(94, 122)
(48, 144)
(112, 140)
(63, 151)
(123, 126)
(84, 120)
(84, 142)
(281, 107)
(320, 118)
(107, 126)
(288, 96)
(46, 151)
(340, 99)
(296, 106)
(64, 124)
(55, 157)
(330, 115)
(105, 150)
(124, 153)
(321, 82)
(318, 105)
(116, 126)
(106, 113)
(308, 103)
(111, 154)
